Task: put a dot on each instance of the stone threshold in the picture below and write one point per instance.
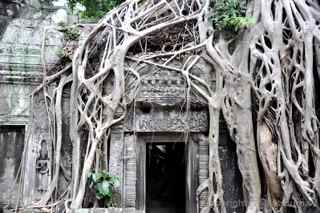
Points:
(107, 210)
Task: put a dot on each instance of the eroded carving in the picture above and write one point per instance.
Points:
(163, 83)
(42, 167)
(168, 88)
(174, 121)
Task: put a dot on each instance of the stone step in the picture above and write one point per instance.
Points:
(107, 210)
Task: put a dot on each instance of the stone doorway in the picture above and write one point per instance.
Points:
(167, 173)
(165, 177)
(11, 150)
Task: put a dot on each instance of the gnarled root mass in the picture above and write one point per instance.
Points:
(265, 88)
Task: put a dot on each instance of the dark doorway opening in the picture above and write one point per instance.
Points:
(11, 150)
(166, 178)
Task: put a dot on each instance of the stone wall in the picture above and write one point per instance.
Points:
(11, 149)
(9, 9)
(22, 26)
(109, 210)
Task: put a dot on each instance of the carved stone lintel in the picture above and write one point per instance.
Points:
(160, 84)
(170, 121)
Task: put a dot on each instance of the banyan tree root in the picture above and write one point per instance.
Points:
(265, 89)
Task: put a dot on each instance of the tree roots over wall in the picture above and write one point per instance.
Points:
(266, 78)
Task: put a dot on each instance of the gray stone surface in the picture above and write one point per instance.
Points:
(11, 148)
(232, 184)
(22, 26)
(20, 47)
(109, 210)
(14, 103)
(116, 164)
(9, 9)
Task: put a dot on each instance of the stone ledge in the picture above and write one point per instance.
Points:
(92, 210)
(107, 210)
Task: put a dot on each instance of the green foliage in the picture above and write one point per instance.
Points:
(71, 33)
(230, 15)
(93, 8)
(103, 184)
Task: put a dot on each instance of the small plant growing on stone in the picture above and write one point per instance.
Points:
(103, 185)
(92, 9)
(229, 15)
(71, 33)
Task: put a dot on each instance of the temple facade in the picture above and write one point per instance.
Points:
(22, 24)
(159, 151)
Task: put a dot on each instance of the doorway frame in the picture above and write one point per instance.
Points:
(23, 127)
(191, 167)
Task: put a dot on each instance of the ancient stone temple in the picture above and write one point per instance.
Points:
(21, 31)
(159, 152)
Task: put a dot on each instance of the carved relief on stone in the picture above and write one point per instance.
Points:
(42, 168)
(203, 165)
(172, 121)
(116, 165)
(163, 83)
(14, 101)
(130, 171)
(170, 85)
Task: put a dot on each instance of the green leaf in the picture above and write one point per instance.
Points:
(115, 181)
(104, 184)
(94, 8)
(104, 188)
(230, 15)
(92, 179)
(99, 196)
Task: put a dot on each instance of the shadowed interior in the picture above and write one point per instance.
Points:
(166, 178)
